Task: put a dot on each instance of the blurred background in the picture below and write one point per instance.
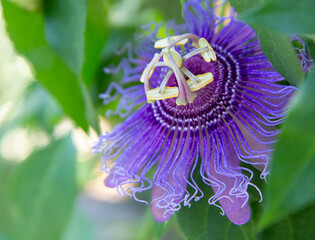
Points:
(52, 55)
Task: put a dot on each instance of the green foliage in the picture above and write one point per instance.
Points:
(182, 3)
(79, 228)
(276, 45)
(95, 35)
(31, 5)
(283, 15)
(41, 191)
(298, 226)
(278, 48)
(293, 166)
(27, 31)
(244, 5)
(202, 221)
(64, 30)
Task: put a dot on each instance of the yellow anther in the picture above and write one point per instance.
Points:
(175, 55)
(165, 42)
(195, 45)
(204, 79)
(207, 55)
(169, 92)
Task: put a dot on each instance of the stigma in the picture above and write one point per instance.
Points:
(187, 82)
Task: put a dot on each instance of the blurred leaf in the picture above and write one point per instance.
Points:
(41, 192)
(39, 109)
(299, 226)
(170, 9)
(30, 5)
(202, 221)
(311, 45)
(193, 220)
(303, 223)
(182, 2)
(79, 228)
(289, 16)
(149, 228)
(64, 30)
(96, 34)
(86, 170)
(244, 5)
(26, 30)
(281, 230)
(5, 171)
(292, 179)
(36, 109)
(279, 50)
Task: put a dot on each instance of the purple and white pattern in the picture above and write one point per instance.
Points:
(231, 121)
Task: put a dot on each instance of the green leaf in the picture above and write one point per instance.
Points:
(292, 179)
(281, 230)
(150, 229)
(64, 30)
(244, 5)
(182, 3)
(202, 221)
(5, 171)
(193, 220)
(289, 16)
(303, 223)
(311, 45)
(26, 30)
(299, 226)
(79, 227)
(96, 34)
(276, 46)
(39, 109)
(41, 192)
(279, 50)
(30, 5)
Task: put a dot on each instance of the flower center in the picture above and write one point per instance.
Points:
(185, 92)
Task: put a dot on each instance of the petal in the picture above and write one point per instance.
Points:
(231, 187)
(236, 208)
(170, 180)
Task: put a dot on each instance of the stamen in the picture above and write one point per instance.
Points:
(185, 94)
(144, 76)
(166, 78)
(169, 92)
(174, 55)
(160, 64)
(192, 37)
(189, 74)
(208, 55)
(194, 52)
(151, 72)
(172, 59)
(165, 42)
(204, 79)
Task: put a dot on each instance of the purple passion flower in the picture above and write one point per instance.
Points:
(209, 98)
